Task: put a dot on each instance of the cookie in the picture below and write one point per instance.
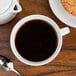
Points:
(70, 6)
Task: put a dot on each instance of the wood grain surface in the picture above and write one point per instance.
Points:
(63, 65)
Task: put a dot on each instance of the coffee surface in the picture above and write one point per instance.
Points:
(36, 40)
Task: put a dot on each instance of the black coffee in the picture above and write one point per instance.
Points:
(36, 40)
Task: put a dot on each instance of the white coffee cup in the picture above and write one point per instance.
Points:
(60, 34)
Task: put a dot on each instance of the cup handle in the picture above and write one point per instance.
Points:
(64, 31)
(16, 7)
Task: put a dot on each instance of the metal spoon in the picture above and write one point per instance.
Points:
(7, 65)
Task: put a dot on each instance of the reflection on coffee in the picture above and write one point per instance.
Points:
(36, 40)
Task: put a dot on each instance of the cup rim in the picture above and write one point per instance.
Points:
(20, 24)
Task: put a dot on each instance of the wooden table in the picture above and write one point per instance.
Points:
(63, 65)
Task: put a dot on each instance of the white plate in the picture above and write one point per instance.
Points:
(62, 14)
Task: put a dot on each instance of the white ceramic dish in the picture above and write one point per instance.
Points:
(7, 11)
(61, 13)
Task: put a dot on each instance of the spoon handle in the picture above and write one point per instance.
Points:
(17, 72)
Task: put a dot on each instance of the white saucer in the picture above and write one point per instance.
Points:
(62, 14)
